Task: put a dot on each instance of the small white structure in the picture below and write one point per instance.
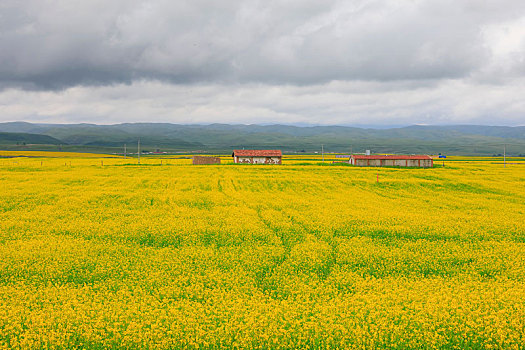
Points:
(255, 156)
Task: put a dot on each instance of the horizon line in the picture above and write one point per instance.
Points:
(298, 125)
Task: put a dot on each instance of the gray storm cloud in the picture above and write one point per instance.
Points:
(57, 44)
(204, 47)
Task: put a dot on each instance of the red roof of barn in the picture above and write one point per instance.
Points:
(392, 157)
(257, 153)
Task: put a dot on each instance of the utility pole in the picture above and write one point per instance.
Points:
(504, 155)
(124, 151)
(138, 148)
(322, 151)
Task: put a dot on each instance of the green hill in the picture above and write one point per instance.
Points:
(215, 138)
(27, 139)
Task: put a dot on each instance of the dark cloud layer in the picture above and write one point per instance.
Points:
(58, 44)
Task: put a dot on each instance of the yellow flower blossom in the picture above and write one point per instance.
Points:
(100, 252)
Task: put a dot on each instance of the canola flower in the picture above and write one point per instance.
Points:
(103, 253)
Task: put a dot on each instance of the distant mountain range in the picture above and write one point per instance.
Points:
(26, 138)
(222, 138)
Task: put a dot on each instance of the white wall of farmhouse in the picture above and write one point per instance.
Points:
(258, 160)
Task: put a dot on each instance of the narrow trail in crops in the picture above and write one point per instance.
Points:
(228, 187)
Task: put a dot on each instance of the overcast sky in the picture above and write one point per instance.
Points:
(370, 62)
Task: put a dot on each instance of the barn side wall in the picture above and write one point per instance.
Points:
(427, 163)
(200, 160)
(423, 163)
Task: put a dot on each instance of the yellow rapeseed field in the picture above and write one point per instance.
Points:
(99, 252)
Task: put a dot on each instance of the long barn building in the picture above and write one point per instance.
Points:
(421, 161)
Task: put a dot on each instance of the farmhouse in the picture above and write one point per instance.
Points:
(252, 156)
(201, 160)
(421, 161)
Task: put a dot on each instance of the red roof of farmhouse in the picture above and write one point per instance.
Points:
(257, 153)
(392, 157)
